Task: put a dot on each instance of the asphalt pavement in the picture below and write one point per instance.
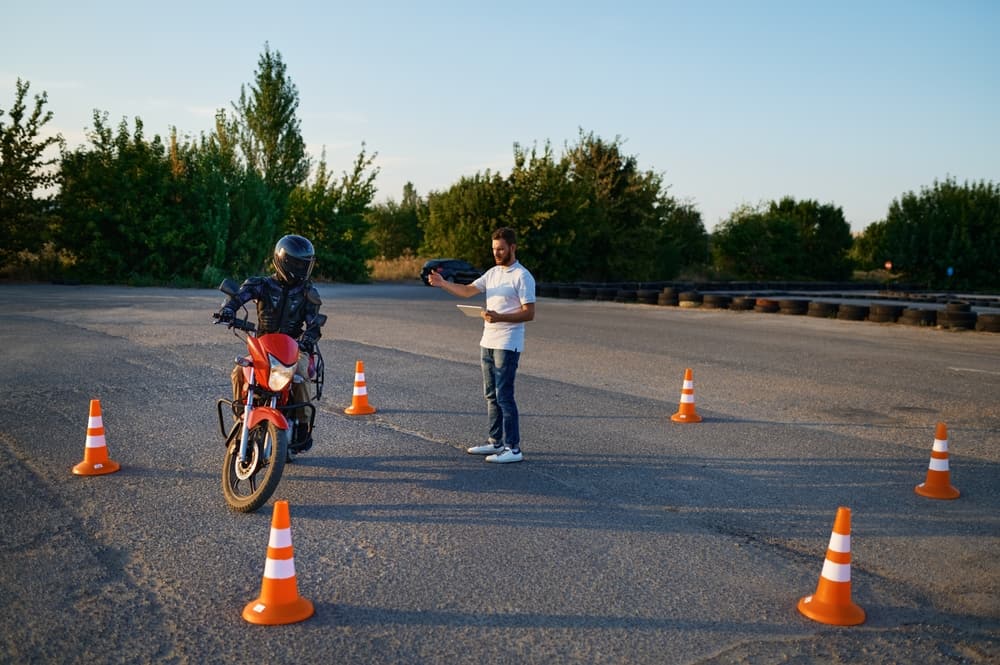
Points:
(622, 538)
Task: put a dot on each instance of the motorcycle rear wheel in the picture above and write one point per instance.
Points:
(248, 486)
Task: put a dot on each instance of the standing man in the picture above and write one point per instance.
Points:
(510, 302)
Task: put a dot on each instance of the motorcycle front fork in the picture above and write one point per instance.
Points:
(245, 438)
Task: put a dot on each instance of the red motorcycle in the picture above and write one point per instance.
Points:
(264, 423)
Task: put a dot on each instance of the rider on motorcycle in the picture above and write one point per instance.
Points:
(287, 302)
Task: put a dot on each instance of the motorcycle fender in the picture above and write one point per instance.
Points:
(266, 413)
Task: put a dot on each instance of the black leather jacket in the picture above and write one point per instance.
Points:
(282, 309)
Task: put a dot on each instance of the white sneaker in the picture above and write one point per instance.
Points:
(485, 449)
(505, 457)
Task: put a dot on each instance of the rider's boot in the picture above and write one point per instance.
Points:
(303, 440)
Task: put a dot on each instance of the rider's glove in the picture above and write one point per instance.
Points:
(227, 314)
(307, 345)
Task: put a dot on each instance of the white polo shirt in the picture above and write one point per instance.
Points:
(506, 288)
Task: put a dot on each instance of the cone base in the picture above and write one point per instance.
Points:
(359, 410)
(947, 492)
(86, 468)
(260, 613)
(685, 417)
(834, 615)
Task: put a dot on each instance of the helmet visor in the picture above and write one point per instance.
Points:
(294, 270)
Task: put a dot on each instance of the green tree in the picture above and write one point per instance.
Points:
(681, 239)
(254, 218)
(115, 206)
(460, 219)
(869, 250)
(945, 226)
(200, 196)
(25, 174)
(134, 210)
(332, 214)
(784, 239)
(394, 229)
(618, 211)
(540, 209)
(270, 133)
(225, 205)
(824, 238)
(593, 214)
(750, 245)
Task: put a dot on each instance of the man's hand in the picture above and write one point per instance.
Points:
(307, 344)
(523, 315)
(434, 278)
(227, 314)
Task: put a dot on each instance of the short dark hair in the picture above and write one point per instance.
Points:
(506, 234)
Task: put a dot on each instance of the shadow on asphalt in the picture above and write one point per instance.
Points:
(764, 498)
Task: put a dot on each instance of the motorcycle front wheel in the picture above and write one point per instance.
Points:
(248, 485)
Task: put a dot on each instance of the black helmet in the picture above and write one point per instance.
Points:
(294, 259)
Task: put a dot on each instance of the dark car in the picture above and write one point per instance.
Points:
(453, 270)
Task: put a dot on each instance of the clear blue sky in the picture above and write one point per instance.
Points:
(850, 103)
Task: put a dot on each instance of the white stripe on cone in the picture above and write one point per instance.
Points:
(840, 543)
(836, 572)
(280, 538)
(938, 464)
(279, 569)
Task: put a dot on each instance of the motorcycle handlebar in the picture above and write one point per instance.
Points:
(240, 324)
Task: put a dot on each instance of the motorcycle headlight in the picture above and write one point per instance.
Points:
(280, 375)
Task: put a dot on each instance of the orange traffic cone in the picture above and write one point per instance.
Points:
(95, 453)
(685, 411)
(359, 402)
(938, 482)
(279, 601)
(832, 601)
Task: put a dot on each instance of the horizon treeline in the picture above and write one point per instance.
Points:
(132, 209)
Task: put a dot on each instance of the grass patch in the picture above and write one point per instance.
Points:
(400, 269)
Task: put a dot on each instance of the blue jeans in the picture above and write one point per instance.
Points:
(499, 370)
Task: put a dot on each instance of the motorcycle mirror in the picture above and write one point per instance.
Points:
(229, 287)
(321, 320)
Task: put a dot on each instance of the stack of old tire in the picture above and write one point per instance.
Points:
(689, 299)
(986, 322)
(822, 309)
(647, 296)
(626, 293)
(547, 290)
(793, 306)
(606, 293)
(884, 313)
(569, 291)
(957, 315)
(923, 309)
(716, 301)
(918, 316)
(852, 312)
(766, 305)
(667, 297)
